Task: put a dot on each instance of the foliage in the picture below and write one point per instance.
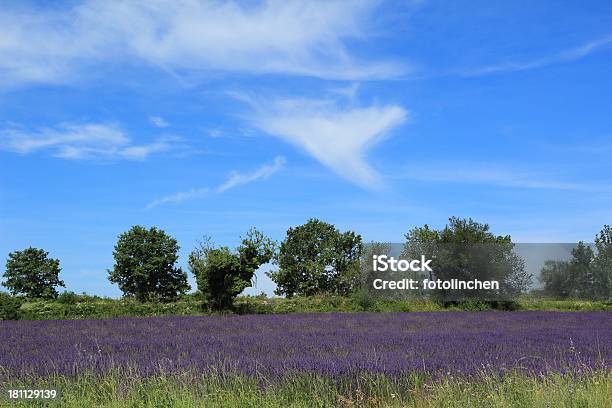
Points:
(144, 265)
(222, 275)
(586, 275)
(548, 304)
(366, 295)
(557, 279)
(571, 279)
(9, 307)
(67, 298)
(88, 307)
(317, 258)
(32, 273)
(466, 250)
(602, 264)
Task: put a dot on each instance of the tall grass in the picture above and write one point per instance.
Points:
(118, 390)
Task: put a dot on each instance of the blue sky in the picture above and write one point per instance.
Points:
(207, 118)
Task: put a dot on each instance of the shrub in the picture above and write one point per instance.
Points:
(9, 307)
(67, 298)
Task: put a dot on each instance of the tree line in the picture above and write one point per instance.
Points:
(316, 258)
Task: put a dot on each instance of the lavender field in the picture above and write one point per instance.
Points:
(269, 347)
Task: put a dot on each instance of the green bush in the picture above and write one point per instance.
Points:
(67, 298)
(9, 307)
(90, 307)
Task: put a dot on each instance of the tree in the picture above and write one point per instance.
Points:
(586, 275)
(570, 279)
(556, 279)
(580, 270)
(317, 258)
(602, 264)
(32, 273)
(466, 250)
(367, 292)
(421, 242)
(222, 275)
(144, 265)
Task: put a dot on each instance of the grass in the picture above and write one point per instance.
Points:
(116, 390)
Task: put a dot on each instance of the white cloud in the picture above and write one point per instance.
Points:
(141, 152)
(79, 141)
(297, 37)
(336, 136)
(265, 171)
(159, 121)
(349, 92)
(563, 56)
(235, 179)
(215, 133)
(178, 197)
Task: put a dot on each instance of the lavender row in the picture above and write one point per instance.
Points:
(338, 345)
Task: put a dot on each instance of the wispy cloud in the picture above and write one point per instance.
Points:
(235, 179)
(297, 37)
(265, 171)
(563, 56)
(499, 177)
(159, 121)
(178, 197)
(215, 133)
(80, 141)
(337, 136)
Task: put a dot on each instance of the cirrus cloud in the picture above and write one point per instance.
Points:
(80, 141)
(295, 37)
(235, 179)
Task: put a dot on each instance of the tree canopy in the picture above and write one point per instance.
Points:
(145, 265)
(587, 275)
(465, 250)
(32, 273)
(222, 274)
(317, 258)
(602, 264)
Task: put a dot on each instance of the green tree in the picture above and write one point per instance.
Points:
(145, 265)
(32, 273)
(421, 242)
(570, 279)
(581, 272)
(367, 293)
(556, 279)
(317, 258)
(602, 264)
(586, 275)
(222, 274)
(465, 250)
